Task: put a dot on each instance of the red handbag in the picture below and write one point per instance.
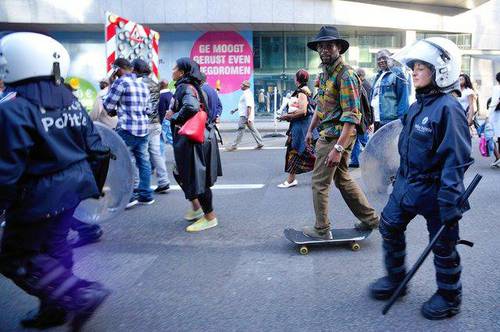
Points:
(194, 128)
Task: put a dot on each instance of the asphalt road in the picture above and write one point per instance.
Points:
(245, 276)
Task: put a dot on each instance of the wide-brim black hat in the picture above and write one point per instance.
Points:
(328, 33)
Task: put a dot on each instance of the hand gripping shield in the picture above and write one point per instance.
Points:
(118, 186)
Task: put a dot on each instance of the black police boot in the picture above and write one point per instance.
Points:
(45, 317)
(85, 302)
(88, 236)
(383, 288)
(440, 307)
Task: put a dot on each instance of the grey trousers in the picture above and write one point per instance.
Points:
(242, 123)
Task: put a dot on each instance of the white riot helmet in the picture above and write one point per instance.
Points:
(25, 55)
(441, 53)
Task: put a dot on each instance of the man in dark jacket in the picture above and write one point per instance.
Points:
(47, 140)
(213, 101)
(391, 91)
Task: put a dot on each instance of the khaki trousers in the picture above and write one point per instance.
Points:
(351, 193)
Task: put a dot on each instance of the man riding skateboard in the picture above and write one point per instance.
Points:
(338, 112)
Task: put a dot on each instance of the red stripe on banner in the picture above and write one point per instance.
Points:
(146, 30)
(111, 59)
(155, 45)
(110, 31)
(155, 69)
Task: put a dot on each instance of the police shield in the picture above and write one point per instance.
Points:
(119, 182)
(380, 163)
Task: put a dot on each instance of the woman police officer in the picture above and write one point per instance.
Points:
(435, 149)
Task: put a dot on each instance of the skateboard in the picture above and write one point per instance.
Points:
(341, 235)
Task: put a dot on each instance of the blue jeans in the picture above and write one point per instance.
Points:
(361, 139)
(138, 147)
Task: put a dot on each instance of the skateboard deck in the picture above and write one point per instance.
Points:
(340, 235)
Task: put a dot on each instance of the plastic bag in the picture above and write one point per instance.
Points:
(483, 147)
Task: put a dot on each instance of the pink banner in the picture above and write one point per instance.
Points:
(225, 57)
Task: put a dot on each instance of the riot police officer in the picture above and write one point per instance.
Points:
(435, 149)
(47, 143)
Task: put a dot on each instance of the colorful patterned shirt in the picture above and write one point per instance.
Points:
(337, 107)
(132, 101)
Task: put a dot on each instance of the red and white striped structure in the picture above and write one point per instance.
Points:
(129, 40)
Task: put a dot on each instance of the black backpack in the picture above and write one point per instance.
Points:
(367, 118)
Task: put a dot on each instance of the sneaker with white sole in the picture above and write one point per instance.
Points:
(145, 201)
(133, 202)
(288, 185)
(192, 215)
(201, 225)
(495, 164)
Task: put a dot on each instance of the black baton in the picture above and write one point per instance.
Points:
(461, 202)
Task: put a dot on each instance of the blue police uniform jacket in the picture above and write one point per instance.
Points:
(43, 158)
(435, 152)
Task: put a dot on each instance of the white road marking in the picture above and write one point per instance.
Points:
(229, 186)
(249, 148)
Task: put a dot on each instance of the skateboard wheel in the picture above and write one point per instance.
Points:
(303, 250)
(355, 246)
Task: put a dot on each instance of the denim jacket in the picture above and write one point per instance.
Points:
(394, 94)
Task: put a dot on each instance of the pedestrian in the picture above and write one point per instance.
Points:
(361, 138)
(338, 110)
(246, 111)
(391, 90)
(435, 149)
(468, 98)
(143, 73)
(300, 156)
(98, 112)
(166, 103)
(47, 139)
(130, 100)
(494, 118)
(213, 101)
(197, 164)
(262, 101)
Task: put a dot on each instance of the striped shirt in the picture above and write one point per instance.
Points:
(131, 100)
(337, 106)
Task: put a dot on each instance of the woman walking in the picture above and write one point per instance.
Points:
(494, 118)
(468, 97)
(300, 156)
(197, 164)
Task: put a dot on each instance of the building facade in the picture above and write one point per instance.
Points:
(263, 41)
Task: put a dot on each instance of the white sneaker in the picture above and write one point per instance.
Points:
(496, 163)
(288, 185)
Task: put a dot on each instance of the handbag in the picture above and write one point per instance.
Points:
(194, 128)
(483, 146)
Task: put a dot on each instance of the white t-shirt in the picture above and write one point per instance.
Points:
(376, 98)
(246, 100)
(464, 100)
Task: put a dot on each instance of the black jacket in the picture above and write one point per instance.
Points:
(435, 151)
(197, 165)
(43, 158)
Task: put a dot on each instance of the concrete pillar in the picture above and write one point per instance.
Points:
(411, 37)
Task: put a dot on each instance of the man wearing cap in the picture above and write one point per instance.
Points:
(246, 109)
(391, 89)
(130, 100)
(338, 112)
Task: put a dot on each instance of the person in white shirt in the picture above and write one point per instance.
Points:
(246, 110)
(98, 113)
(494, 118)
(468, 98)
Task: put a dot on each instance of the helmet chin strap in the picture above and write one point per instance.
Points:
(57, 73)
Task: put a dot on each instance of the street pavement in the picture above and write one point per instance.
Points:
(245, 276)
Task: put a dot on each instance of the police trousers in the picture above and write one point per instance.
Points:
(396, 216)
